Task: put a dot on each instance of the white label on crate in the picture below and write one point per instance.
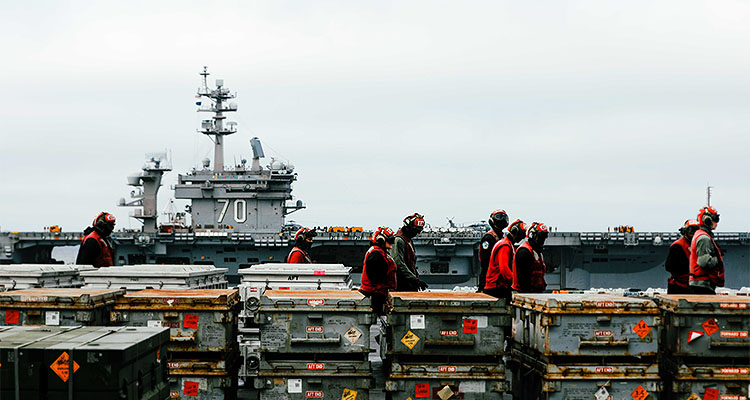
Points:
(481, 320)
(34, 299)
(445, 393)
(471, 387)
(352, 334)
(154, 323)
(52, 318)
(294, 386)
(314, 394)
(734, 334)
(417, 321)
(315, 302)
(601, 394)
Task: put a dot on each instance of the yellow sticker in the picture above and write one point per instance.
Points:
(694, 397)
(349, 394)
(408, 398)
(410, 339)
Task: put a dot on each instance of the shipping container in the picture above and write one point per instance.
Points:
(200, 320)
(57, 306)
(562, 325)
(707, 325)
(446, 323)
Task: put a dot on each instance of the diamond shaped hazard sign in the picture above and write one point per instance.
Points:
(61, 366)
(710, 326)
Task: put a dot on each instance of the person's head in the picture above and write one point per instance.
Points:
(498, 220)
(413, 225)
(708, 217)
(104, 223)
(537, 234)
(383, 237)
(689, 228)
(304, 238)
(517, 231)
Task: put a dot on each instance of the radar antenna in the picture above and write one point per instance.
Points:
(708, 194)
(215, 127)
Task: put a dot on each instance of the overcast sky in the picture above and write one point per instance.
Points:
(580, 114)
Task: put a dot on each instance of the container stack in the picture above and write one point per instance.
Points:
(203, 352)
(57, 306)
(314, 344)
(444, 346)
(707, 349)
(25, 276)
(83, 363)
(153, 276)
(585, 346)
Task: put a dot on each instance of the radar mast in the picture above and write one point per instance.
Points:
(215, 128)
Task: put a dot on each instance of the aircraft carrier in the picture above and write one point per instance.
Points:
(236, 218)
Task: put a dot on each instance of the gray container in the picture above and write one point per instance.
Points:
(447, 387)
(281, 274)
(205, 386)
(707, 325)
(310, 386)
(314, 321)
(25, 276)
(458, 324)
(200, 320)
(726, 380)
(281, 368)
(57, 306)
(586, 325)
(156, 276)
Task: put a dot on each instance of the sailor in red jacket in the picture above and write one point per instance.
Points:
(302, 244)
(528, 263)
(379, 270)
(96, 246)
(706, 262)
(498, 221)
(678, 260)
(500, 271)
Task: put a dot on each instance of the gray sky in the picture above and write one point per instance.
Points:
(581, 114)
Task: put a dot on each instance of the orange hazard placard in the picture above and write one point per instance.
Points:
(639, 393)
(641, 329)
(190, 321)
(710, 326)
(422, 390)
(62, 368)
(711, 394)
(11, 316)
(190, 388)
(470, 325)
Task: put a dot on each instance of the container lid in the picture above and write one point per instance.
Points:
(702, 303)
(155, 271)
(15, 336)
(58, 298)
(318, 299)
(36, 270)
(409, 302)
(179, 299)
(584, 303)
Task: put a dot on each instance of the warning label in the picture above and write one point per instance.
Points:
(449, 333)
(447, 368)
(61, 366)
(641, 329)
(604, 370)
(711, 394)
(710, 326)
(352, 334)
(349, 394)
(314, 329)
(422, 390)
(190, 321)
(410, 339)
(190, 388)
(733, 306)
(639, 393)
(315, 302)
(733, 334)
(603, 333)
(735, 371)
(315, 366)
(11, 316)
(314, 394)
(470, 325)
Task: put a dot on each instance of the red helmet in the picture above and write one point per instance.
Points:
(537, 232)
(499, 220)
(517, 229)
(383, 235)
(305, 233)
(689, 227)
(104, 218)
(707, 215)
(414, 222)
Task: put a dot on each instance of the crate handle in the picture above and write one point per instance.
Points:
(343, 303)
(481, 304)
(415, 369)
(283, 368)
(196, 366)
(573, 372)
(457, 342)
(630, 306)
(139, 300)
(343, 368)
(416, 303)
(635, 371)
(279, 303)
(728, 343)
(320, 340)
(578, 305)
(603, 343)
(479, 370)
(708, 306)
(201, 301)
(6, 299)
(703, 371)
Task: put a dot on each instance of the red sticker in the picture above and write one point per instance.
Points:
(710, 326)
(447, 368)
(711, 394)
(470, 325)
(735, 371)
(422, 390)
(639, 393)
(190, 321)
(692, 335)
(11, 316)
(641, 329)
(190, 388)
(733, 334)
(319, 272)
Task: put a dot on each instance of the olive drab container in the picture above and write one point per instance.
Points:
(57, 306)
(88, 363)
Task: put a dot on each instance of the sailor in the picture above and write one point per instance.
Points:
(96, 246)
(302, 243)
(499, 279)
(528, 263)
(498, 221)
(678, 260)
(379, 270)
(405, 257)
(706, 263)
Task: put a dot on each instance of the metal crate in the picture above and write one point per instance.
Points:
(203, 387)
(200, 320)
(106, 362)
(722, 381)
(314, 321)
(281, 274)
(57, 306)
(707, 325)
(586, 325)
(465, 324)
(447, 387)
(153, 276)
(306, 387)
(25, 276)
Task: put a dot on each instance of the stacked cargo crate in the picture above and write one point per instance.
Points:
(707, 349)
(83, 363)
(57, 306)
(25, 276)
(585, 346)
(203, 354)
(444, 346)
(314, 344)
(150, 276)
